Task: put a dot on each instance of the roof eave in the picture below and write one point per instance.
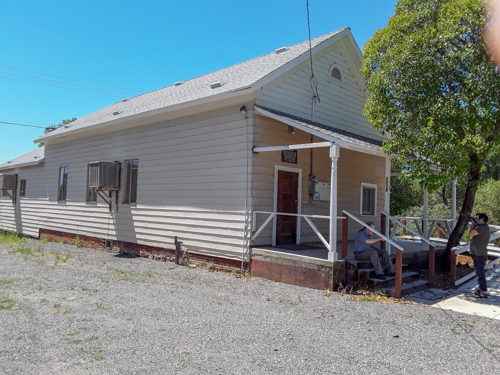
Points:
(22, 165)
(206, 100)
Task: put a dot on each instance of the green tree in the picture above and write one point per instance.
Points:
(433, 88)
(53, 127)
(488, 200)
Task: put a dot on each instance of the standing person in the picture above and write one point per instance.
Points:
(364, 250)
(480, 233)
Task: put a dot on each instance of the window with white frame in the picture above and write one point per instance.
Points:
(91, 194)
(368, 204)
(63, 184)
(130, 182)
(22, 188)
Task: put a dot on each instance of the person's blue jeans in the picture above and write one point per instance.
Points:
(479, 263)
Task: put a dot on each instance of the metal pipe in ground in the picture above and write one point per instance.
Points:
(432, 264)
(399, 274)
(453, 270)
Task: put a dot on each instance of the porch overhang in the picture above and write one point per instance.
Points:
(339, 137)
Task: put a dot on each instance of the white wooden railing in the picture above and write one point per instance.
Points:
(446, 227)
(307, 218)
(399, 223)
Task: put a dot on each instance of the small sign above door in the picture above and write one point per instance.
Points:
(289, 156)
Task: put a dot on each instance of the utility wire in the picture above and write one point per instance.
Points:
(30, 126)
(59, 87)
(64, 83)
(313, 81)
(69, 79)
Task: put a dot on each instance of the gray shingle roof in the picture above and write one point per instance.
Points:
(31, 158)
(236, 77)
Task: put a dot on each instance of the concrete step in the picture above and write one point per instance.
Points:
(407, 277)
(407, 288)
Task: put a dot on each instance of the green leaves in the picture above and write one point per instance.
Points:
(433, 88)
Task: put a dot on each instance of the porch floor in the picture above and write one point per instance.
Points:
(318, 250)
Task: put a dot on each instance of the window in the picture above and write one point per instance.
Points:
(131, 173)
(91, 194)
(63, 184)
(22, 188)
(368, 199)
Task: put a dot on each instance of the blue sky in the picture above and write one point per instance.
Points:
(142, 46)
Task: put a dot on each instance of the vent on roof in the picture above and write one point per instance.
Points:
(214, 85)
(125, 100)
(67, 126)
(282, 49)
(115, 113)
(178, 83)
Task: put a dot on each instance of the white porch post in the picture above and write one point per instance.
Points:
(387, 202)
(334, 155)
(425, 227)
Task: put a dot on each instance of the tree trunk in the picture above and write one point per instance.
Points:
(463, 218)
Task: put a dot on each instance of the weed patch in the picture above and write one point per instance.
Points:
(7, 238)
(6, 304)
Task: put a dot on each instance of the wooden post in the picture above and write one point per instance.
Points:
(404, 229)
(382, 229)
(399, 273)
(438, 231)
(453, 271)
(345, 235)
(432, 264)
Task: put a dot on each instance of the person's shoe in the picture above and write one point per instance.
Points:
(391, 274)
(380, 277)
(480, 294)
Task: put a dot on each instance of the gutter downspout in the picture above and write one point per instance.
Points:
(246, 244)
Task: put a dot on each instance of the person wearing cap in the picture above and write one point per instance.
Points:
(364, 250)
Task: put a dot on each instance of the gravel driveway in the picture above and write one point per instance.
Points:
(69, 310)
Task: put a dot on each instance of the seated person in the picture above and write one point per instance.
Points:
(364, 250)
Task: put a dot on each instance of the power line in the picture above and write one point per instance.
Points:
(69, 79)
(30, 126)
(59, 87)
(64, 83)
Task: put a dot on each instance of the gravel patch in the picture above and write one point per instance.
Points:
(69, 310)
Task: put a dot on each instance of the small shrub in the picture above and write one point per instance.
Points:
(78, 242)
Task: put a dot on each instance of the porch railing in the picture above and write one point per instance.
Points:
(399, 250)
(307, 218)
(444, 226)
(432, 246)
(492, 250)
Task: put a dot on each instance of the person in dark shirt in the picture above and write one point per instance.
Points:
(364, 250)
(480, 233)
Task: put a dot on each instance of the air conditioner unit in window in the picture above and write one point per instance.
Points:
(8, 181)
(104, 175)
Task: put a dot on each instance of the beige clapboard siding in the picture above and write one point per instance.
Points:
(353, 168)
(341, 105)
(191, 184)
